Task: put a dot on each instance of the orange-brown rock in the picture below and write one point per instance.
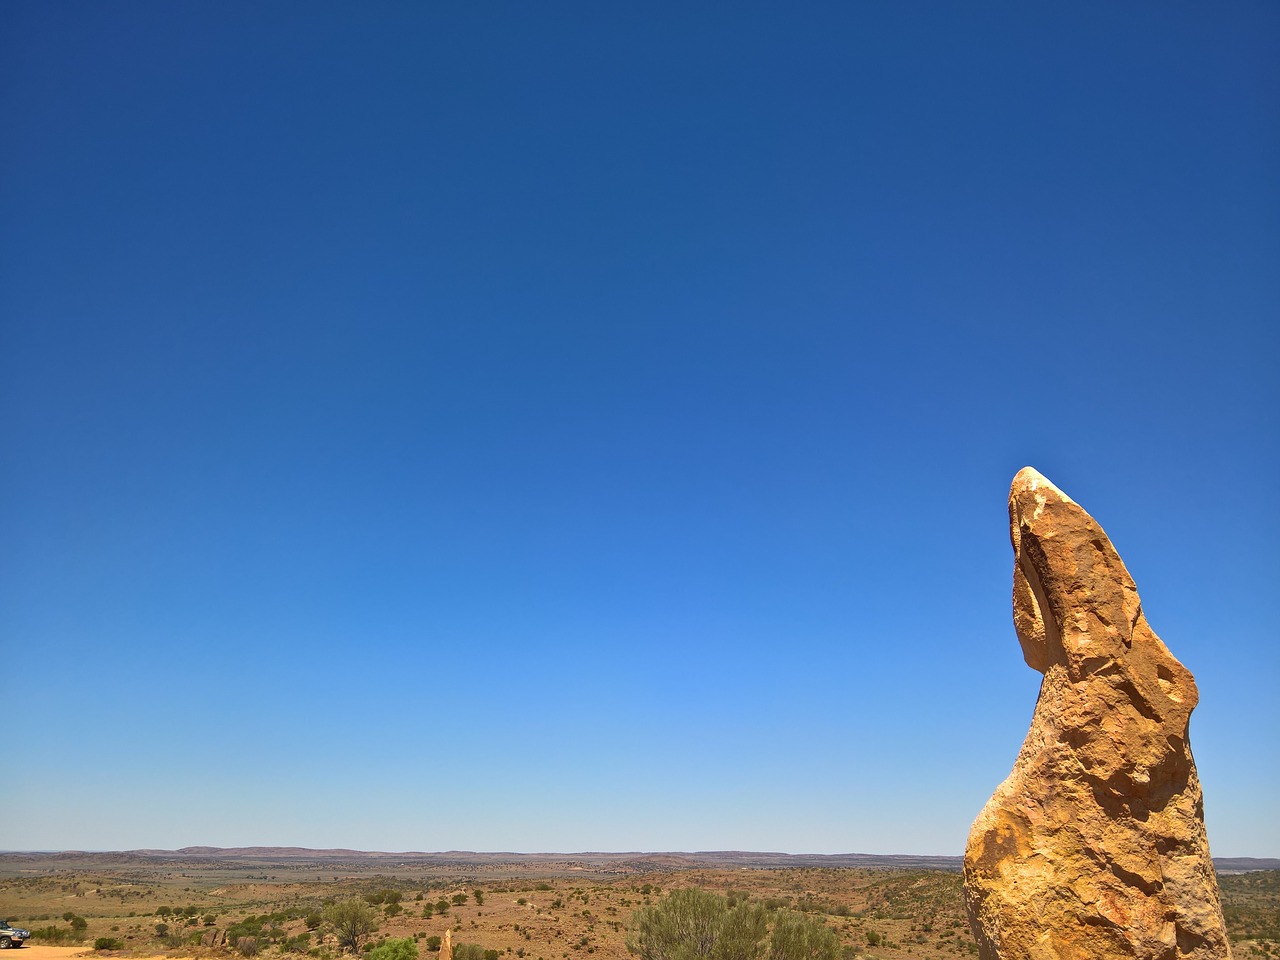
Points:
(1094, 847)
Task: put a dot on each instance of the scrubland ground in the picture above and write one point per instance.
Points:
(219, 913)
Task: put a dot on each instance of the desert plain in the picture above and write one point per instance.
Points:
(209, 903)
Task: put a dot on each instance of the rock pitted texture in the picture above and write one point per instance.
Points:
(446, 948)
(1094, 847)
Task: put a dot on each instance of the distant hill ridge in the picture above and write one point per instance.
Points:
(631, 860)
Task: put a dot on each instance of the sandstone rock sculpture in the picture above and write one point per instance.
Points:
(446, 948)
(1094, 847)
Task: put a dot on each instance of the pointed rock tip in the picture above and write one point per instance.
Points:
(1032, 481)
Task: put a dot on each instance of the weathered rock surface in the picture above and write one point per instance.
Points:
(1094, 847)
(213, 938)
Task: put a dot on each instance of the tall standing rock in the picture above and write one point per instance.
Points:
(1094, 847)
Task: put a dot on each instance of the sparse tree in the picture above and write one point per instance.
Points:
(352, 921)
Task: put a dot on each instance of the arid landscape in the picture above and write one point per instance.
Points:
(202, 902)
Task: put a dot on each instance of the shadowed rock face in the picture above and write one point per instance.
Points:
(1094, 847)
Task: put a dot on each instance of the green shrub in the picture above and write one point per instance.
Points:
(395, 948)
(108, 943)
(433, 944)
(58, 935)
(690, 924)
(248, 927)
(802, 938)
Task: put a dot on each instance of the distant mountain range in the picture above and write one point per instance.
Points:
(629, 862)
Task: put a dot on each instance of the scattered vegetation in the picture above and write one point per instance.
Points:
(1251, 904)
(220, 913)
(694, 923)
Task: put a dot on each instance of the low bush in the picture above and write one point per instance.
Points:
(108, 943)
(693, 923)
(403, 948)
(59, 935)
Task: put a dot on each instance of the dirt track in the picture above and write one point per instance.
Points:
(36, 951)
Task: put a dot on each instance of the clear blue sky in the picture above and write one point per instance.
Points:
(588, 426)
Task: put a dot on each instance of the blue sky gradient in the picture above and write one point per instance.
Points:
(574, 426)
